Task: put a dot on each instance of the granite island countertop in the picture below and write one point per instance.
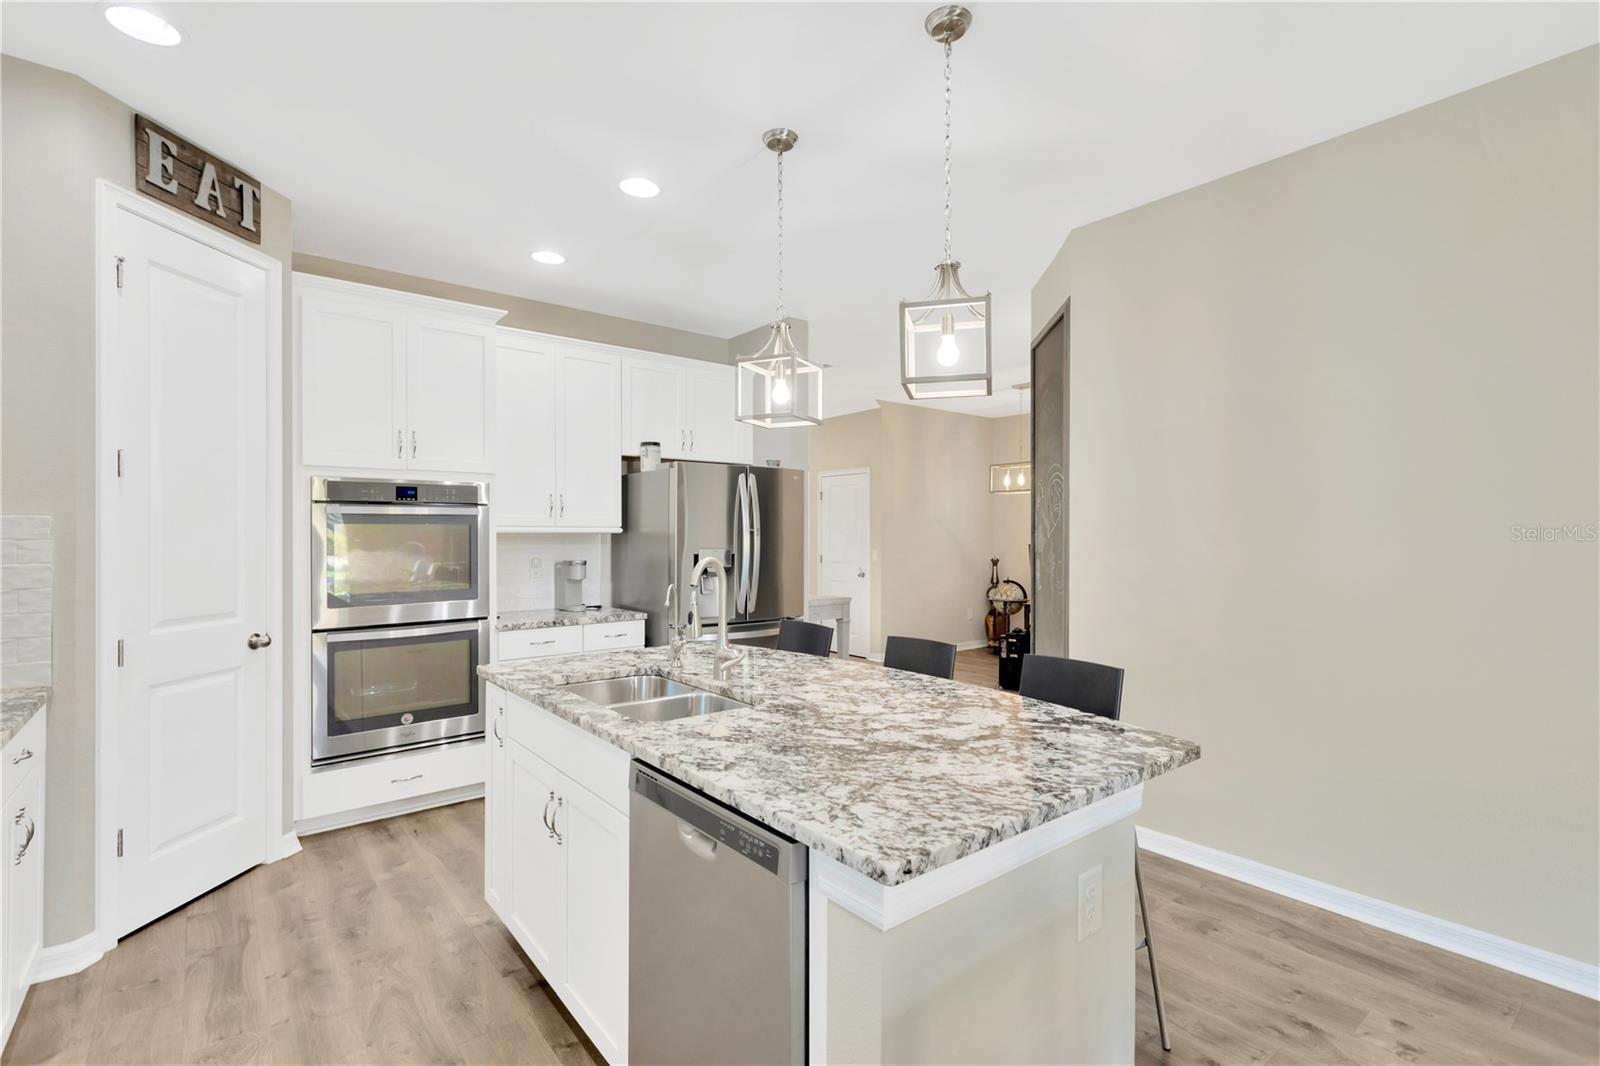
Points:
(891, 773)
(18, 705)
(507, 621)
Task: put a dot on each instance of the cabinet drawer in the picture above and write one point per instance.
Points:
(607, 636)
(584, 757)
(533, 643)
(23, 755)
(351, 786)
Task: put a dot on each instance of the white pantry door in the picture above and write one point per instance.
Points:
(844, 549)
(189, 567)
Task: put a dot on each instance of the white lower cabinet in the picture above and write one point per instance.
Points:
(22, 866)
(556, 861)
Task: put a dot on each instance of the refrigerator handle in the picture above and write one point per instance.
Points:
(755, 525)
(742, 601)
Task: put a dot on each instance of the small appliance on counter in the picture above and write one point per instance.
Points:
(570, 574)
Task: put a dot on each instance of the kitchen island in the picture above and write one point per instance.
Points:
(948, 827)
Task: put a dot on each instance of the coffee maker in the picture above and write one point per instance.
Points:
(569, 584)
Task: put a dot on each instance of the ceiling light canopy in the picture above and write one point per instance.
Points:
(778, 386)
(945, 336)
(549, 257)
(143, 25)
(643, 188)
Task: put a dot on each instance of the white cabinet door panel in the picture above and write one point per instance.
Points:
(22, 906)
(653, 408)
(525, 454)
(588, 466)
(352, 382)
(449, 392)
(497, 818)
(715, 435)
(595, 836)
(538, 876)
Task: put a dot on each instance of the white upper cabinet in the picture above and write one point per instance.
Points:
(393, 381)
(652, 398)
(687, 405)
(559, 406)
(525, 482)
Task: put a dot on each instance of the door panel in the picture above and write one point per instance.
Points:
(596, 838)
(538, 886)
(449, 390)
(711, 527)
(777, 565)
(189, 536)
(714, 434)
(588, 465)
(525, 480)
(353, 395)
(844, 549)
(653, 396)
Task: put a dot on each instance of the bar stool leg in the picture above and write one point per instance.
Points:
(1150, 951)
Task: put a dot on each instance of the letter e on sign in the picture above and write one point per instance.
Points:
(190, 179)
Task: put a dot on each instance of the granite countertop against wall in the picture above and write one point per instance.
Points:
(506, 621)
(891, 773)
(18, 705)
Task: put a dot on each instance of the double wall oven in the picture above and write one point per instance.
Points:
(399, 615)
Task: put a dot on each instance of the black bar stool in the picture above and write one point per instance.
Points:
(1094, 689)
(807, 637)
(932, 657)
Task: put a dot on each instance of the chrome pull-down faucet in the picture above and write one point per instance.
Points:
(725, 656)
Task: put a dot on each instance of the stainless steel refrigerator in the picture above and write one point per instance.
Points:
(752, 518)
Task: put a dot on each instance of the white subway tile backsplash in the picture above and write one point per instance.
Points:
(526, 563)
(27, 557)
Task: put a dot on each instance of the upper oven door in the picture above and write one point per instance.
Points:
(384, 564)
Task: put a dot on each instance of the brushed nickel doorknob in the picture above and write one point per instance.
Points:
(257, 641)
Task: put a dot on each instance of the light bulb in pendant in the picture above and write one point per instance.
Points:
(780, 392)
(1006, 484)
(1022, 479)
(949, 354)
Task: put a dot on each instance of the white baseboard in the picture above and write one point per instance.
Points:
(971, 645)
(288, 844)
(63, 960)
(309, 826)
(1497, 951)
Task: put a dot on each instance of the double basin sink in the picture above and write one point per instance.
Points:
(650, 698)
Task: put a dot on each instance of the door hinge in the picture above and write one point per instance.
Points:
(120, 658)
(119, 271)
(119, 462)
(119, 843)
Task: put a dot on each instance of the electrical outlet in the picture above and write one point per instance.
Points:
(536, 565)
(971, 615)
(1090, 903)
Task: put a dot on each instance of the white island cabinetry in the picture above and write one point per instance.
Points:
(556, 864)
(22, 871)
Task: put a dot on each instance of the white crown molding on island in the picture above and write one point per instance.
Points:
(1497, 951)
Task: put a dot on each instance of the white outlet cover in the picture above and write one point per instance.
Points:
(1091, 902)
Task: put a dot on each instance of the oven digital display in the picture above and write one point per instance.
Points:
(405, 492)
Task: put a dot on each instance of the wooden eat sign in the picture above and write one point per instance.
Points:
(170, 169)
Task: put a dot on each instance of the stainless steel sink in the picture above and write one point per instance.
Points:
(649, 698)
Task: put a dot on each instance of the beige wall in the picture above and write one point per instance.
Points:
(523, 313)
(1011, 514)
(60, 134)
(1309, 403)
(935, 524)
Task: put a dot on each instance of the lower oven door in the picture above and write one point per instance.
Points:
(378, 690)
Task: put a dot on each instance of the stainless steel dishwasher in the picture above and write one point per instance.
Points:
(716, 931)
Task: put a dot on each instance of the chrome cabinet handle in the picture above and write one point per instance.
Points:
(413, 444)
(399, 444)
(683, 441)
(615, 636)
(22, 756)
(27, 841)
(563, 513)
(691, 440)
(497, 734)
(256, 641)
(551, 829)
(552, 505)
(403, 780)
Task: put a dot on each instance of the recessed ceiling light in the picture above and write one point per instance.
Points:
(549, 258)
(643, 188)
(143, 25)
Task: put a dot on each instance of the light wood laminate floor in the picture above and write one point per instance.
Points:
(374, 945)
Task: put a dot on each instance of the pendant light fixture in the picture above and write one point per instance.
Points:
(1016, 476)
(945, 336)
(778, 386)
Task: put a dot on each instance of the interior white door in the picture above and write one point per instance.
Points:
(189, 577)
(588, 466)
(449, 395)
(715, 435)
(844, 549)
(525, 395)
(652, 395)
(353, 382)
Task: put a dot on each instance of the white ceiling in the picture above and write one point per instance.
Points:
(450, 141)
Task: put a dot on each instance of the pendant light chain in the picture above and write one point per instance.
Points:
(780, 237)
(947, 44)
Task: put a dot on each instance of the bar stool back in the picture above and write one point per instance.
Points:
(932, 657)
(807, 637)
